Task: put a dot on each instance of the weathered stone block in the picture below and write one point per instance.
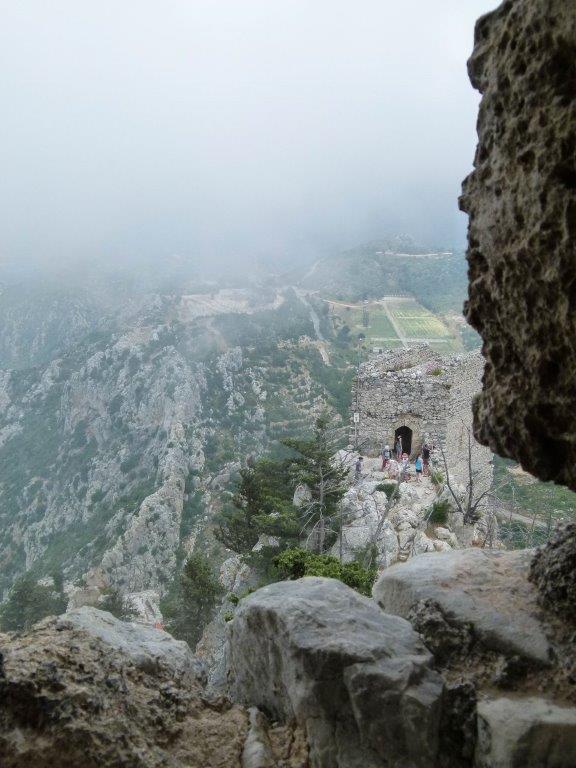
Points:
(356, 679)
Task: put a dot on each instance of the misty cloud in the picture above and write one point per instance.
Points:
(228, 129)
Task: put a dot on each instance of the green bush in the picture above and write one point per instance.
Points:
(436, 476)
(439, 513)
(28, 602)
(436, 372)
(115, 603)
(233, 598)
(192, 599)
(390, 489)
(296, 562)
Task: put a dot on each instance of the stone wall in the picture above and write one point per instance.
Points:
(429, 393)
(521, 201)
(466, 376)
(401, 388)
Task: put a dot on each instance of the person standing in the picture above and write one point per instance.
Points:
(398, 448)
(386, 456)
(418, 466)
(405, 473)
(426, 459)
(358, 472)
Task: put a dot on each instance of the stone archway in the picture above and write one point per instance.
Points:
(405, 433)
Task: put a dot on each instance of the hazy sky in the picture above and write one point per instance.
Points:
(231, 127)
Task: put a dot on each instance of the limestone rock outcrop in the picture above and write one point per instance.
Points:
(88, 690)
(521, 202)
(357, 680)
(145, 647)
(525, 733)
(553, 571)
(509, 672)
(485, 590)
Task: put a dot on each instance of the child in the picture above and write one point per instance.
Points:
(385, 457)
(405, 467)
(418, 466)
(426, 459)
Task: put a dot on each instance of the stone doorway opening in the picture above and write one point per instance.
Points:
(406, 434)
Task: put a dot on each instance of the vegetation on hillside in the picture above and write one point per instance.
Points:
(28, 602)
(298, 562)
(192, 600)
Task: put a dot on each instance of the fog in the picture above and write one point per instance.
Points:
(229, 130)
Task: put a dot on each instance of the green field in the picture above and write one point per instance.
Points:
(545, 501)
(379, 331)
(418, 322)
(412, 319)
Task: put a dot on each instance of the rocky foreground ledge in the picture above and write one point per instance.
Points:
(86, 690)
(455, 663)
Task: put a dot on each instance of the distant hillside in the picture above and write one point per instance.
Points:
(436, 278)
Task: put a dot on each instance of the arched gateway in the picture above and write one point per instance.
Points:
(406, 434)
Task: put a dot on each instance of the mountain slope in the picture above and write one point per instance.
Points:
(114, 456)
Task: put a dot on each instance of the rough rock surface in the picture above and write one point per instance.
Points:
(486, 590)
(84, 691)
(521, 201)
(525, 733)
(358, 681)
(553, 571)
(144, 646)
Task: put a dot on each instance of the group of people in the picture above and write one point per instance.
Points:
(397, 462)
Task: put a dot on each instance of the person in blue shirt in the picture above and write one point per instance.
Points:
(418, 466)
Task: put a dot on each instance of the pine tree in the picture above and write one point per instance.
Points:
(315, 467)
(262, 503)
(191, 606)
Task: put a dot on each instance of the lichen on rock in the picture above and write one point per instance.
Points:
(521, 202)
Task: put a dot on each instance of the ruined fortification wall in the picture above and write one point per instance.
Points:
(388, 395)
(429, 393)
(466, 374)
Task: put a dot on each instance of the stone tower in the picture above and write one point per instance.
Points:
(421, 396)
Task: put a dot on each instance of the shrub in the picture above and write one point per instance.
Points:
(439, 513)
(115, 603)
(129, 464)
(295, 563)
(436, 372)
(436, 476)
(192, 600)
(390, 489)
(28, 602)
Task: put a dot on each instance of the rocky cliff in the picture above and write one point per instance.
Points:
(521, 201)
(115, 455)
(89, 690)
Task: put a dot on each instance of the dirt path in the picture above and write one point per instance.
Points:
(322, 346)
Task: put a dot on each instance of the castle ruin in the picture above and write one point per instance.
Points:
(421, 396)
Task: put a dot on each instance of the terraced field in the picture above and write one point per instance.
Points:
(414, 322)
(393, 322)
